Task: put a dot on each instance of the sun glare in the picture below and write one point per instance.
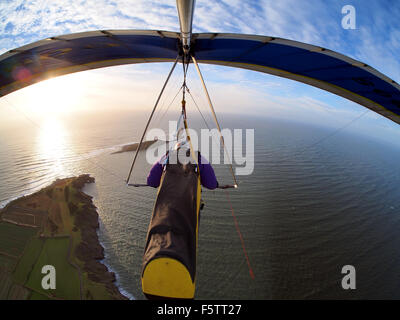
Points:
(58, 95)
(52, 143)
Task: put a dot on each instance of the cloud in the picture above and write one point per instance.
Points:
(378, 42)
(23, 22)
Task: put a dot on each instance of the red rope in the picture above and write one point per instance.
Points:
(240, 236)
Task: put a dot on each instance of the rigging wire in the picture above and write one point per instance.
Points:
(205, 122)
(251, 272)
(168, 94)
(198, 109)
(150, 118)
(169, 105)
(330, 135)
(215, 119)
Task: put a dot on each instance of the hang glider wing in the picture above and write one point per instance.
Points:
(83, 51)
(298, 61)
(302, 62)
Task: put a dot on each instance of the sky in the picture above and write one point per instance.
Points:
(374, 41)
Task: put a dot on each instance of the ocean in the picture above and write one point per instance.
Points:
(311, 206)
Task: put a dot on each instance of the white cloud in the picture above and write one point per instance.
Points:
(30, 21)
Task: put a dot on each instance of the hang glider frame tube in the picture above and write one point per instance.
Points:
(185, 13)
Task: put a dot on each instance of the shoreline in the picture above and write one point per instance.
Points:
(117, 279)
(117, 276)
(106, 257)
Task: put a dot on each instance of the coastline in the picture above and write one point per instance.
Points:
(59, 219)
(117, 282)
(110, 268)
(88, 189)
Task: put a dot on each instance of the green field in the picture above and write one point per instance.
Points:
(55, 252)
(13, 238)
(28, 260)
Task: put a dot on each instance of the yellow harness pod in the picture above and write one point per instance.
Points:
(169, 261)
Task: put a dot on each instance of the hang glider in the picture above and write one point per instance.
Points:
(169, 268)
(316, 66)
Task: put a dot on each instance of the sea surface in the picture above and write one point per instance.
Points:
(315, 202)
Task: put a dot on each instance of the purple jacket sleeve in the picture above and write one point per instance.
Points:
(207, 175)
(154, 177)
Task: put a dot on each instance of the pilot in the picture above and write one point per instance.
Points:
(207, 175)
